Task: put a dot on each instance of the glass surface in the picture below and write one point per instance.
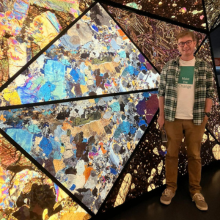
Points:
(84, 144)
(184, 11)
(217, 23)
(212, 11)
(155, 38)
(26, 27)
(27, 193)
(94, 57)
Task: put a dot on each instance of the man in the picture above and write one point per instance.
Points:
(185, 100)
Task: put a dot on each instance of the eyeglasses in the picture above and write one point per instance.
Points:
(181, 44)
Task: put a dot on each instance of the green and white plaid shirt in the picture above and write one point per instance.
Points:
(203, 88)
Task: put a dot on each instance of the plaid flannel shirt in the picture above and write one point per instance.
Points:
(203, 88)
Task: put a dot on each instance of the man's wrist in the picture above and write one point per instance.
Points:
(207, 114)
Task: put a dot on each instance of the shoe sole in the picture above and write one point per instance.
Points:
(165, 202)
(201, 208)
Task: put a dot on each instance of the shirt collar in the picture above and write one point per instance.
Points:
(177, 60)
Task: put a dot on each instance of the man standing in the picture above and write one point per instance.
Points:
(185, 100)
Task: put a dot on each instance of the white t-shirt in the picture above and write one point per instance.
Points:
(185, 90)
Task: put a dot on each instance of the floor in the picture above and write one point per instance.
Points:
(182, 208)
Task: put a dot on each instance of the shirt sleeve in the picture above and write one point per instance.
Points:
(209, 83)
(162, 81)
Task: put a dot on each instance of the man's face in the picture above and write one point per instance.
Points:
(186, 46)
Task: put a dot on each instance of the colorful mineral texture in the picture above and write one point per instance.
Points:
(94, 57)
(155, 38)
(28, 194)
(184, 11)
(27, 22)
(84, 144)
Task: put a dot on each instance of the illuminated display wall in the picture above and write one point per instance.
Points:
(94, 57)
(189, 12)
(27, 26)
(155, 38)
(78, 102)
(27, 193)
(212, 10)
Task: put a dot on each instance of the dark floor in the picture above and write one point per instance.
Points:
(182, 208)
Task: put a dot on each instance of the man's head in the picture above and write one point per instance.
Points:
(186, 42)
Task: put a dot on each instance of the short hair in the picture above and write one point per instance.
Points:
(186, 33)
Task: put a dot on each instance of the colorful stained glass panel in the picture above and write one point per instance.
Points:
(27, 26)
(27, 193)
(187, 12)
(84, 144)
(95, 57)
(155, 38)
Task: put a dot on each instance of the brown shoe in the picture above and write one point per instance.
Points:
(200, 202)
(167, 196)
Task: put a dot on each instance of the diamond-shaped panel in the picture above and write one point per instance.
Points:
(84, 144)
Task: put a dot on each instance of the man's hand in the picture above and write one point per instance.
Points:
(160, 121)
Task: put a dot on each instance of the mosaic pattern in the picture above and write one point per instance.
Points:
(27, 26)
(207, 152)
(27, 193)
(204, 53)
(94, 57)
(84, 144)
(216, 151)
(188, 12)
(146, 170)
(214, 120)
(212, 11)
(155, 38)
(217, 23)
